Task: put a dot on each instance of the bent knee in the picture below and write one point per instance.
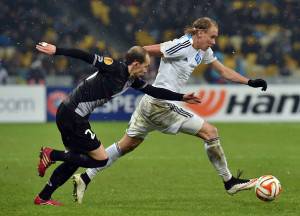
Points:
(208, 132)
(97, 163)
(101, 163)
(99, 154)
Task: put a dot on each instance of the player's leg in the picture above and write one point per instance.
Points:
(214, 150)
(114, 152)
(60, 175)
(135, 134)
(98, 154)
(72, 160)
(217, 157)
(77, 135)
(49, 156)
(195, 125)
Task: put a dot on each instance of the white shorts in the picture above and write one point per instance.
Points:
(152, 114)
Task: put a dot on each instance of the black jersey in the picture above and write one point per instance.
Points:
(111, 79)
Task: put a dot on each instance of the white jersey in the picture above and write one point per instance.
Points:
(179, 61)
(176, 66)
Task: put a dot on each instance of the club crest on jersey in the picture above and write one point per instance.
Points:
(198, 58)
(108, 61)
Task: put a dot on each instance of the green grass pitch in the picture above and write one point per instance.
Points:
(166, 175)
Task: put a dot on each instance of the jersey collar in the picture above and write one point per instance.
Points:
(126, 68)
(190, 37)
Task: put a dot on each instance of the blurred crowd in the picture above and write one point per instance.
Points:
(257, 38)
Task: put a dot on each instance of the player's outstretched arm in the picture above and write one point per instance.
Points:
(229, 74)
(166, 94)
(51, 49)
(258, 83)
(46, 48)
(191, 98)
(153, 50)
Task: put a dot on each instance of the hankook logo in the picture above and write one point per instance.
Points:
(239, 104)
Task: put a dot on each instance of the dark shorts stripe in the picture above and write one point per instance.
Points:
(180, 111)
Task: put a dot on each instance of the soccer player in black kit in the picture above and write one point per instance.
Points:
(83, 147)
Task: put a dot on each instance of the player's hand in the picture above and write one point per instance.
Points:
(191, 98)
(258, 83)
(46, 48)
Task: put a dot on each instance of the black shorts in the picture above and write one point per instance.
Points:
(76, 132)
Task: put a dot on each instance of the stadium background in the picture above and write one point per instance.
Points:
(260, 39)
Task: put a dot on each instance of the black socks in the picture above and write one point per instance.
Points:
(81, 160)
(85, 178)
(60, 175)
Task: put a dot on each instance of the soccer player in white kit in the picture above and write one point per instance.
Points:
(179, 58)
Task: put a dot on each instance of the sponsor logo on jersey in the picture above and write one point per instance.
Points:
(198, 58)
(108, 61)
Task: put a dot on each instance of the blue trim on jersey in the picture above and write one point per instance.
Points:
(189, 36)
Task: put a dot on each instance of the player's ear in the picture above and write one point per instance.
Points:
(135, 63)
(200, 32)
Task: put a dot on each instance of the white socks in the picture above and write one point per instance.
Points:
(113, 152)
(217, 157)
(213, 149)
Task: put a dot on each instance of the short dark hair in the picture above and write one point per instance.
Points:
(135, 53)
(203, 23)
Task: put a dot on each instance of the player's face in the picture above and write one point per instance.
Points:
(139, 69)
(205, 39)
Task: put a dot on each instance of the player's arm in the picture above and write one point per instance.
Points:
(164, 94)
(154, 50)
(176, 48)
(234, 76)
(51, 49)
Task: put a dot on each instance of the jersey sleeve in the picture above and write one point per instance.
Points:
(139, 84)
(98, 61)
(161, 93)
(176, 48)
(209, 56)
(94, 59)
(75, 53)
(104, 64)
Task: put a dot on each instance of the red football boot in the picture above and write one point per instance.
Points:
(45, 160)
(39, 201)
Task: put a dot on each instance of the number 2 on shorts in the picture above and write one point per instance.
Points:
(90, 132)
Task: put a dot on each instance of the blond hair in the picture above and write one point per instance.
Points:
(203, 23)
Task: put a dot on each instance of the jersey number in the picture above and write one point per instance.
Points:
(91, 133)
